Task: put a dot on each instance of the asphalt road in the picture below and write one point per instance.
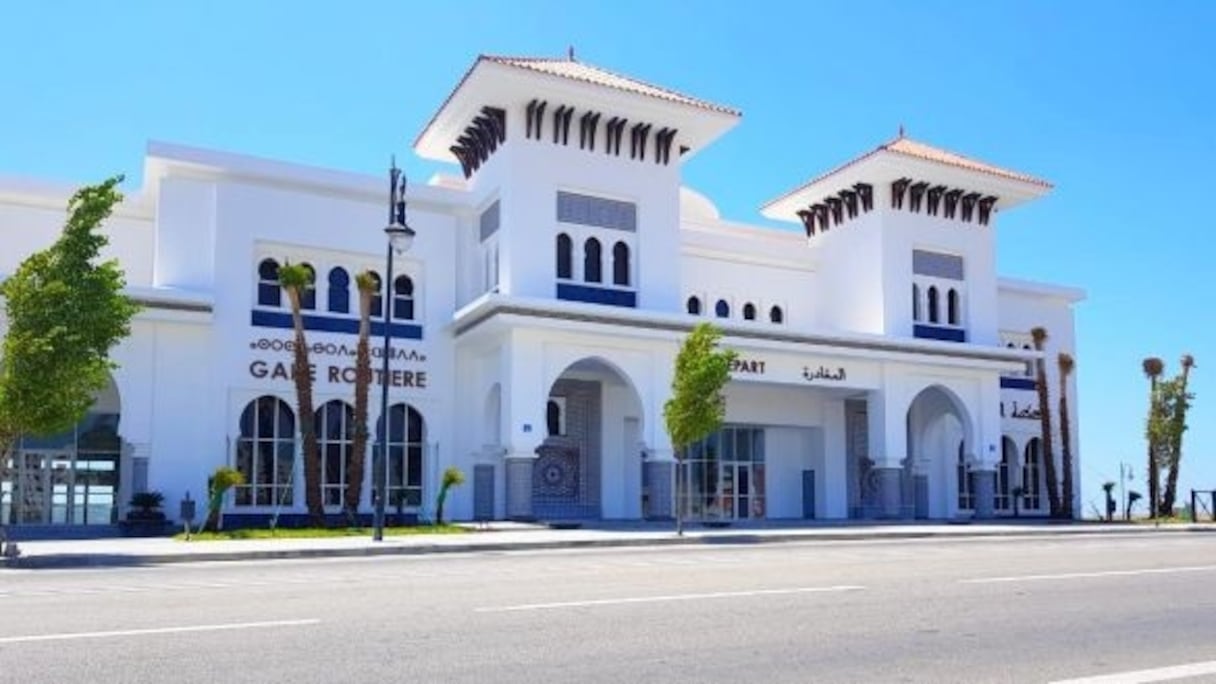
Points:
(909, 611)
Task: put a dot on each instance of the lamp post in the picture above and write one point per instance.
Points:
(400, 238)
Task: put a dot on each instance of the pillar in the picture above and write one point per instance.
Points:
(888, 445)
(983, 485)
(519, 467)
(890, 492)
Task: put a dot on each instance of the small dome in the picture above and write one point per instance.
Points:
(694, 205)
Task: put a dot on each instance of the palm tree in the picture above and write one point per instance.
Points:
(1153, 367)
(1067, 364)
(368, 285)
(295, 279)
(1179, 420)
(1038, 335)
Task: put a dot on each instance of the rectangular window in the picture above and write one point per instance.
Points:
(937, 264)
(489, 221)
(586, 210)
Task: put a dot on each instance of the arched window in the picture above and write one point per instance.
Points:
(339, 290)
(406, 437)
(933, 313)
(722, 309)
(1009, 460)
(592, 267)
(694, 306)
(915, 302)
(620, 264)
(775, 315)
(265, 453)
(1031, 487)
(952, 313)
(269, 293)
(335, 426)
(565, 258)
(966, 494)
(403, 298)
(377, 307)
(749, 312)
(308, 298)
(553, 417)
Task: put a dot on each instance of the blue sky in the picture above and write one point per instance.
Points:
(1114, 102)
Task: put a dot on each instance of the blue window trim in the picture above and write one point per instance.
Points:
(279, 319)
(597, 295)
(1019, 383)
(937, 332)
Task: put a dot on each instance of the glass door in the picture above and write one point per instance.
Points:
(59, 488)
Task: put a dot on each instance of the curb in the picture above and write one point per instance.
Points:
(96, 560)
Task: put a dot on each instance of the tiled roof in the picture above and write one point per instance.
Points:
(911, 148)
(579, 71)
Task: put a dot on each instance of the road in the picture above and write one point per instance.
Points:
(1036, 610)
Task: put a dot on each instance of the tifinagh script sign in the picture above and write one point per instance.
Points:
(334, 362)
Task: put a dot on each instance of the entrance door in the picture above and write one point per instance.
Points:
(742, 490)
(58, 488)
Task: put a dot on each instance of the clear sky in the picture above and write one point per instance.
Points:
(1114, 102)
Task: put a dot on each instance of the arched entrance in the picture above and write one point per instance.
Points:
(589, 464)
(407, 460)
(69, 478)
(937, 474)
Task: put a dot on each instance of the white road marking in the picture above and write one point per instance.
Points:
(1160, 674)
(157, 630)
(1091, 575)
(672, 597)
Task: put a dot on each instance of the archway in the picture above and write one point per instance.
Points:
(937, 474)
(72, 477)
(589, 463)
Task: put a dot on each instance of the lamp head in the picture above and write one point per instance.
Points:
(400, 237)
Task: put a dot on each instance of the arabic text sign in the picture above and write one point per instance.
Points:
(824, 374)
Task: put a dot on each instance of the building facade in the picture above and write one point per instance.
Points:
(883, 363)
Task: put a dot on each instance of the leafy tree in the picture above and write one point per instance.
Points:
(218, 484)
(368, 285)
(697, 406)
(1066, 364)
(1039, 336)
(66, 311)
(1153, 368)
(452, 477)
(295, 279)
(1179, 401)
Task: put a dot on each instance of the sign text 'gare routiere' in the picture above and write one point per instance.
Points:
(338, 371)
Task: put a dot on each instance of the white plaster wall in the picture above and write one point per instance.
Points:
(789, 451)
(185, 235)
(854, 275)
(26, 227)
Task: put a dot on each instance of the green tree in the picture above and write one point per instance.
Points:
(1153, 368)
(697, 406)
(66, 311)
(295, 279)
(452, 477)
(1179, 400)
(1039, 336)
(1066, 364)
(218, 484)
(368, 285)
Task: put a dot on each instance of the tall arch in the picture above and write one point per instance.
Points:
(940, 433)
(339, 290)
(564, 256)
(406, 452)
(934, 313)
(592, 261)
(266, 453)
(269, 292)
(403, 298)
(1032, 475)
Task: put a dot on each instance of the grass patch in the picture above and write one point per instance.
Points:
(320, 532)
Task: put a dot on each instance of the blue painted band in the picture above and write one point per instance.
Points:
(281, 319)
(937, 332)
(597, 295)
(1019, 383)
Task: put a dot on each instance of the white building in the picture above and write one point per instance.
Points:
(882, 367)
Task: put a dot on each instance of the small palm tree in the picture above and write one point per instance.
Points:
(1153, 368)
(295, 279)
(1179, 418)
(1067, 364)
(368, 285)
(452, 477)
(1039, 336)
(1109, 488)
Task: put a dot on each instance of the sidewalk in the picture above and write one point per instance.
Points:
(505, 536)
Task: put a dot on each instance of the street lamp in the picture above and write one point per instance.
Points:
(400, 238)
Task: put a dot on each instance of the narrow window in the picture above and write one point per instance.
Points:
(722, 309)
(952, 314)
(377, 307)
(591, 261)
(620, 264)
(749, 312)
(694, 306)
(334, 427)
(553, 418)
(406, 440)
(268, 283)
(339, 290)
(966, 495)
(915, 302)
(933, 317)
(403, 298)
(565, 250)
(775, 315)
(308, 298)
(1031, 487)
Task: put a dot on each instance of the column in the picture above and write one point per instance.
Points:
(986, 448)
(888, 449)
(983, 485)
(660, 477)
(519, 467)
(523, 420)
